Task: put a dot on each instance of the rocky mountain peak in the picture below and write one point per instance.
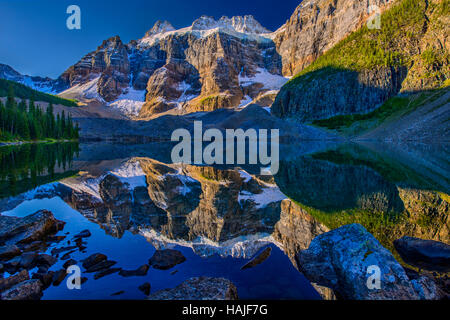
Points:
(204, 23)
(245, 24)
(38, 83)
(113, 42)
(7, 72)
(160, 27)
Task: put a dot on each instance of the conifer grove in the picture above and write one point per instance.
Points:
(25, 121)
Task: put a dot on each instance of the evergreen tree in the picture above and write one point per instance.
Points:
(19, 122)
(10, 101)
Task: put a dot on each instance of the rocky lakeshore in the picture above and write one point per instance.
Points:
(336, 262)
(342, 260)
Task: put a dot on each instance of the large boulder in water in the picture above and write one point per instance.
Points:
(203, 288)
(166, 259)
(344, 260)
(27, 290)
(425, 254)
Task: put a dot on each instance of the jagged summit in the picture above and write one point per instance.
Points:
(243, 24)
(112, 42)
(160, 27)
(203, 25)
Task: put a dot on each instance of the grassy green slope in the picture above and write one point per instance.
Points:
(394, 44)
(401, 41)
(393, 109)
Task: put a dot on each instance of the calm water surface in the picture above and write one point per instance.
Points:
(134, 200)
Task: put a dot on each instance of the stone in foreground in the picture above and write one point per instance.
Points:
(342, 260)
(30, 228)
(203, 288)
(27, 290)
(6, 283)
(425, 254)
(166, 259)
(9, 251)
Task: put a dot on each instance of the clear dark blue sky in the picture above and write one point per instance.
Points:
(34, 39)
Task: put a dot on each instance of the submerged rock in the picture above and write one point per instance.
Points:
(203, 288)
(145, 288)
(425, 254)
(101, 266)
(106, 272)
(9, 251)
(26, 260)
(57, 251)
(69, 263)
(93, 259)
(260, 258)
(59, 277)
(83, 234)
(345, 260)
(45, 278)
(141, 271)
(166, 259)
(45, 260)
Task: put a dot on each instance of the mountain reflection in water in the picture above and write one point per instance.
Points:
(133, 199)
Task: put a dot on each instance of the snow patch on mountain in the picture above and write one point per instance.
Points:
(130, 103)
(87, 90)
(247, 100)
(160, 27)
(84, 185)
(244, 175)
(270, 194)
(185, 97)
(245, 27)
(131, 173)
(269, 80)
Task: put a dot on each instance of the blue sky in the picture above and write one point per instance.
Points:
(34, 39)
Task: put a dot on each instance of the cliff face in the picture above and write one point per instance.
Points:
(208, 65)
(296, 228)
(408, 53)
(316, 26)
(106, 71)
(329, 92)
(204, 73)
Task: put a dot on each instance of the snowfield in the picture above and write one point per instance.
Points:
(269, 80)
(129, 104)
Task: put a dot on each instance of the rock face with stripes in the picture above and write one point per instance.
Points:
(209, 65)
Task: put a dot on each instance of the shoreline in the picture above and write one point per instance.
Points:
(19, 143)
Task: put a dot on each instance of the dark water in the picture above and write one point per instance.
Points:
(217, 217)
